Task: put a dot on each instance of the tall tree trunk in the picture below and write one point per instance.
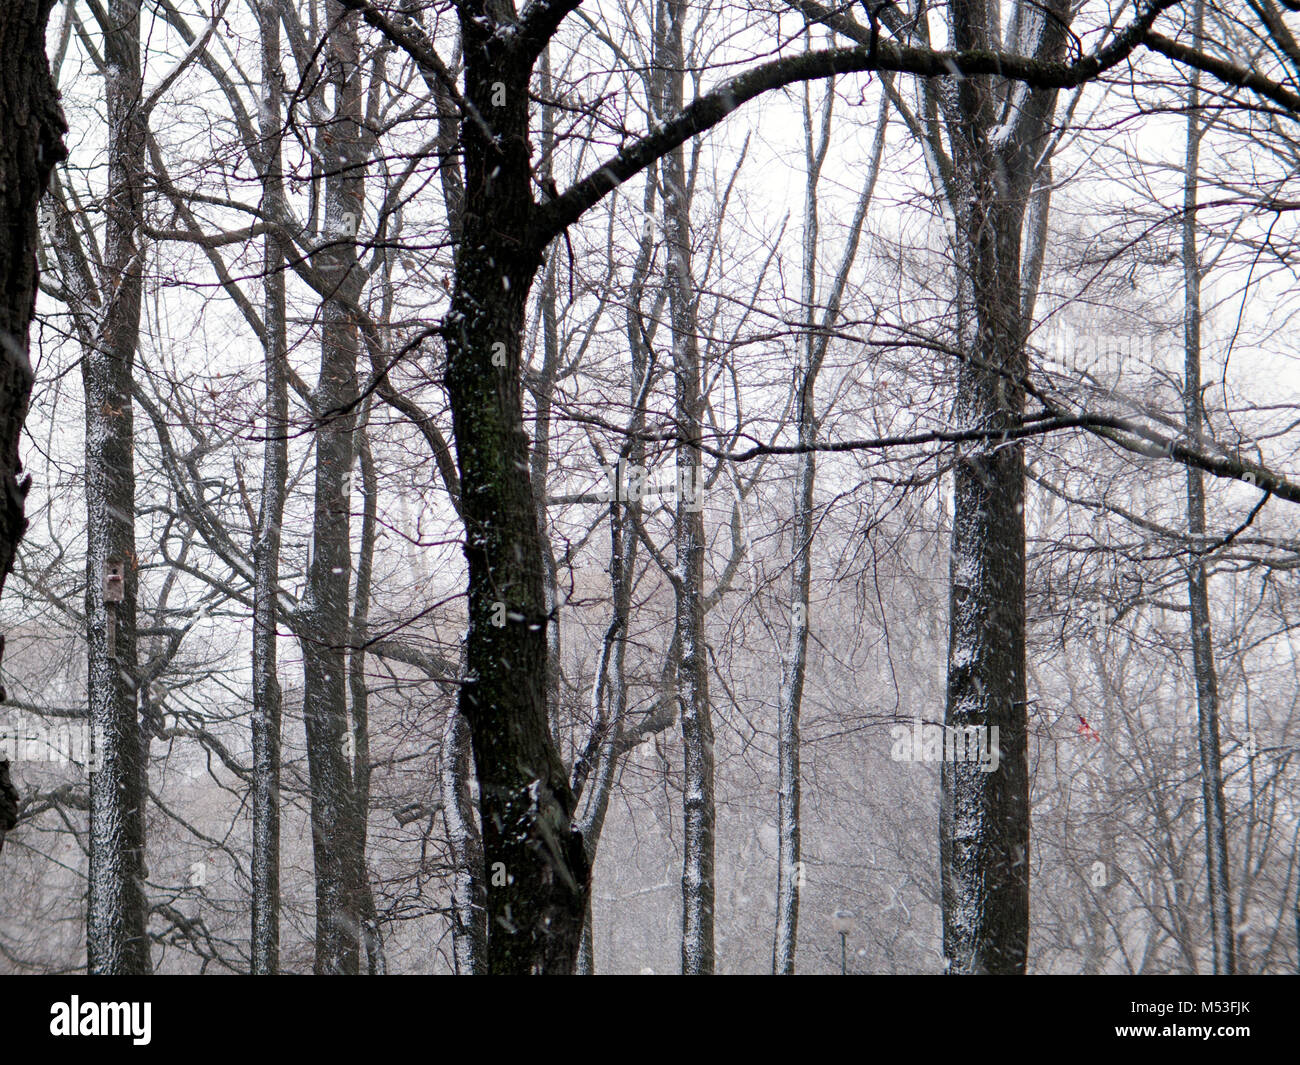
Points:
(609, 700)
(116, 937)
(31, 142)
(325, 617)
(1198, 594)
(997, 133)
(536, 866)
(698, 888)
(266, 547)
(801, 533)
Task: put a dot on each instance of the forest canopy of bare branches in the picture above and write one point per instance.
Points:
(697, 486)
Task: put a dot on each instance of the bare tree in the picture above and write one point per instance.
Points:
(32, 139)
(1198, 594)
(267, 699)
(118, 910)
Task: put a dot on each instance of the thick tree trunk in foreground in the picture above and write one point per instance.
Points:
(535, 863)
(984, 816)
(31, 142)
(997, 132)
(118, 909)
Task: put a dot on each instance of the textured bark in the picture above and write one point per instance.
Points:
(997, 131)
(266, 547)
(118, 910)
(698, 888)
(535, 863)
(1198, 596)
(468, 913)
(31, 142)
(324, 632)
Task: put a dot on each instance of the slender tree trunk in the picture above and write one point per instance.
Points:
(468, 912)
(376, 962)
(801, 534)
(117, 915)
(1102, 820)
(610, 699)
(698, 888)
(594, 782)
(544, 395)
(325, 618)
(814, 346)
(266, 547)
(536, 866)
(1198, 594)
(31, 142)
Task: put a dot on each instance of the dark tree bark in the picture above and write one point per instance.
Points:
(536, 866)
(8, 802)
(997, 131)
(31, 142)
(535, 862)
(324, 617)
(117, 915)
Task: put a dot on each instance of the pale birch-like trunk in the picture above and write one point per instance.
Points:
(372, 934)
(468, 909)
(595, 771)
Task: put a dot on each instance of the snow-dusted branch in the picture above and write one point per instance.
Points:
(708, 110)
